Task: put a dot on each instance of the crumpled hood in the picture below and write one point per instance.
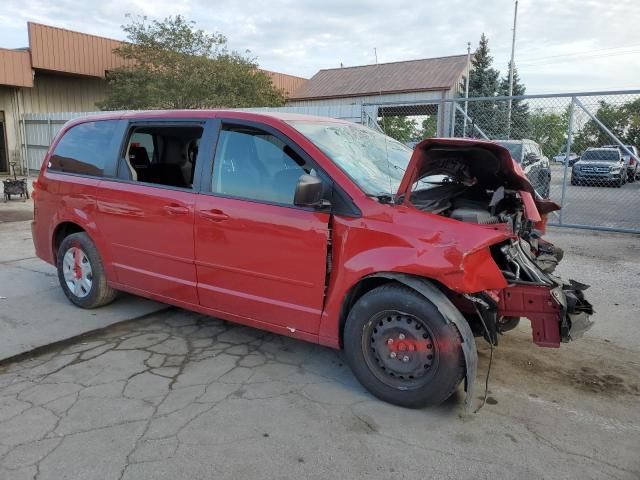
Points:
(486, 161)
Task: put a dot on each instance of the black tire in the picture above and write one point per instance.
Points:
(98, 293)
(395, 309)
(619, 182)
(631, 177)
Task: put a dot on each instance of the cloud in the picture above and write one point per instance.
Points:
(300, 37)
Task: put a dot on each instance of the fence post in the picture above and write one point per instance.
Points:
(566, 157)
(452, 127)
(440, 120)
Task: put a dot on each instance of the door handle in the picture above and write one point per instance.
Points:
(214, 215)
(174, 209)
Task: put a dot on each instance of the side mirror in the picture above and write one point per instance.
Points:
(308, 191)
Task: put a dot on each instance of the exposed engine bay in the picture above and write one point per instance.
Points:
(480, 186)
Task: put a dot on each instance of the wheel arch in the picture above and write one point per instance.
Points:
(60, 232)
(429, 289)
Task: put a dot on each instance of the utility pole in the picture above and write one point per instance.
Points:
(466, 90)
(511, 67)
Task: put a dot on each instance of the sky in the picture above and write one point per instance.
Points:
(561, 46)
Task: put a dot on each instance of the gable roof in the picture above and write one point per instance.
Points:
(409, 76)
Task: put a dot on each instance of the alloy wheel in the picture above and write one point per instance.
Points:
(77, 271)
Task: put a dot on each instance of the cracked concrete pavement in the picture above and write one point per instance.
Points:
(181, 396)
(33, 310)
(177, 395)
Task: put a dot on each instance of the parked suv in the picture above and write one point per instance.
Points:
(536, 167)
(315, 228)
(600, 166)
(630, 155)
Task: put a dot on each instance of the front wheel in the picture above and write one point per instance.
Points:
(81, 272)
(402, 349)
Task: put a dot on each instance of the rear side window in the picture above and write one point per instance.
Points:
(84, 149)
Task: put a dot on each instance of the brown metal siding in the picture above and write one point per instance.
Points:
(61, 50)
(15, 68)
(288, 83)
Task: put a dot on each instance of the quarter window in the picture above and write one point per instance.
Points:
(256, 165)
(85, 148)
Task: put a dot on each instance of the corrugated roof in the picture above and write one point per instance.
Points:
(15, 68)
(408, 76)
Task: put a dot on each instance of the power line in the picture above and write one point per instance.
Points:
(576, 57)
(585, 52)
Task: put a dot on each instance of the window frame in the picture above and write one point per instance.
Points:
(111, 164)
(205, 145)
(341, 203)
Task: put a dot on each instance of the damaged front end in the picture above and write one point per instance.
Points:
(557, 308)
(477, 182)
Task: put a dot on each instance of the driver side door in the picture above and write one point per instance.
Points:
(259, 258)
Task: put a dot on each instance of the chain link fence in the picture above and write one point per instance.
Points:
(577, 149)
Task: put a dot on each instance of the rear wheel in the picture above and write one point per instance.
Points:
(402, 349)
(81, 272)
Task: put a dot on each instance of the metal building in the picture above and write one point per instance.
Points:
(413, 87)
(61, 71)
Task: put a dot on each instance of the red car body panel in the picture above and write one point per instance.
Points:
(149, 233)
(261, 261)
(265, 265)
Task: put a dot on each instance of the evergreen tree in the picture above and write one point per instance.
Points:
(519, 108)
(483, 82)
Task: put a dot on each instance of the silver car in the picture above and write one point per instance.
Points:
(630, 161)
(600, 166)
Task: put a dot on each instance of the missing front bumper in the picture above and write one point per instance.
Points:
(557, 314)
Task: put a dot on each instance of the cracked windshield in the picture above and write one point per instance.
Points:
(372, 160)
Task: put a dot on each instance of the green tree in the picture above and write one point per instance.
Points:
(171, 64)
(483, 82)
(519, 108)
(429, 127)
(403, 129)
(622, 120)
(549, 130)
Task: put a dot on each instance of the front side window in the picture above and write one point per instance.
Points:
(84, 149)
(256, 165)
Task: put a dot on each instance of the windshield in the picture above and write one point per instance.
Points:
(375, 162)
(515, 149)
(605, 155)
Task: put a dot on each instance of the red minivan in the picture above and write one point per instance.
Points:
(310, 227)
